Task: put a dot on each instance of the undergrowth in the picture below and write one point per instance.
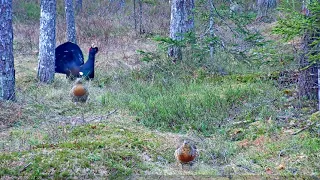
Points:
(235, 107)
(235, 119)
(180, 98)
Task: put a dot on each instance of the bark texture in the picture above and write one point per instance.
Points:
(78, 6)
(141, 30)
(181, 22)
(264, 6)
(135, 15)
(47, 41)
(211, 28)
(307, 80)
(71, 29)
(7, 71)
(117, 5)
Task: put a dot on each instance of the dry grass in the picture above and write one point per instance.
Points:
(10, 113)
(43, 134)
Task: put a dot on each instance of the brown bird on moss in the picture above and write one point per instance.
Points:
(186, 153)
(79, 93)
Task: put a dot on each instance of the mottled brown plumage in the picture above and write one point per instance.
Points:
(186, 154)
(79, 93)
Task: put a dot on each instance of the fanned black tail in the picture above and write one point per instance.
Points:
(68, 57)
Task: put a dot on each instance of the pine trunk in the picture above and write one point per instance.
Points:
(182, 21)
(264, 6)
(135, 15)
(318, 88)
(140, 17)
(78, 6)
(7, 71)
(47, 41)
(71, 29)
(211, 29)
(307, 80)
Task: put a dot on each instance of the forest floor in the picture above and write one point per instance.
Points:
(136, 117)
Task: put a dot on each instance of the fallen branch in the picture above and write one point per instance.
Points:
(25, 167)
(110, 113)
(240, 122)
(81, 119)
(245, 168)
(305, 128)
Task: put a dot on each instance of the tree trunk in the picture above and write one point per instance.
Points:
(308, 85)
(47, 41)
(211, 29)
(182, 21)
(7, 71)
(71, 29)
(264, 6)
(318, 88)
(307, 80)
(117, 5)
(78, 6)
(141, 30)
(135, 15)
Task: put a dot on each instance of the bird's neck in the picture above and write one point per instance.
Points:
(91, 58)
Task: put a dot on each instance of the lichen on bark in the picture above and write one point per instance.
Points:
(47, 39)
(7, 71)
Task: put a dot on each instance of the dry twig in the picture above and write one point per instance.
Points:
(25, 167)
(305, 128)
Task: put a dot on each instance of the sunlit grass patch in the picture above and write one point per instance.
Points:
(93, 150)
(181, 106)
(285, 155)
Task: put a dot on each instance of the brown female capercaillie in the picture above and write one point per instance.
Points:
(186, 154)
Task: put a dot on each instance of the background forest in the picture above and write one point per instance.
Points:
(244, 92)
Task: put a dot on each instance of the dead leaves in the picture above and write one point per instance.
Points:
(281, 167)
(258, 142)
(269, 171)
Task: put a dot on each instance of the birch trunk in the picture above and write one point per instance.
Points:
(7, 71)
(71, 29)
(181, 22)
(47, 41)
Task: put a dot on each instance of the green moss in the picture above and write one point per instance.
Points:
(294, 152)
(315, 117)
(311, 145)
(100, 147)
